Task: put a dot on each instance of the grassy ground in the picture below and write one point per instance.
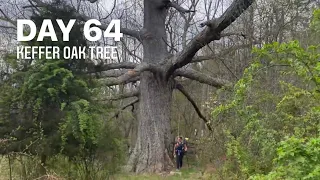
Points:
(4, 168)
(186, 173)
(183, 174)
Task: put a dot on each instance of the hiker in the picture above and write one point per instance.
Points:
(179, 149)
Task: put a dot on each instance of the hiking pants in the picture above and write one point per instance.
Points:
(179, 157)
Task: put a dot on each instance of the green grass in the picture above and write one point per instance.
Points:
(188, 174)
(4, 168)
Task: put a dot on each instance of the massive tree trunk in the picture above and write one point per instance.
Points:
(150, 153)
(151, 149)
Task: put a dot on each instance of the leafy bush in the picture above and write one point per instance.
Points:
(297, 158)
(277, 97)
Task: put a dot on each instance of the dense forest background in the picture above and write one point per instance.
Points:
(70, 119)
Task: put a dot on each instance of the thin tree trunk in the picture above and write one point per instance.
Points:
(43, 160)
(10, 167)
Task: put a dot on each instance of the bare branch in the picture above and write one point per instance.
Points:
(179, 8)
(221, 54)
(131, 103)
(132, 75)
(202, 78)
(82, 17)
(7, 27)
(203, 58)
(92, 1)
(185, 93)
(31, 6)
(114, 6)
(120, 80)
(111, 73)
(7, 18)
(210, 33)
(233, 34)
(106, 67)
(231, 14)
(132, 93)
(129, 52)
(225, 65)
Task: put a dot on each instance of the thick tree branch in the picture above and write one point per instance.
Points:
(92, 1)
(108, 70)
(120, 80)
(202, 78)
(132, 75)
(132, 93)
(185, 93)
(82, 17)
(210, 33)
(231, 14)
(111, 73)
(106, 67)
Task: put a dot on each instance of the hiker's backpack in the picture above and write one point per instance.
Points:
(180, 147)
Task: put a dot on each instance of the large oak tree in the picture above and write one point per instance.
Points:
(157, 73)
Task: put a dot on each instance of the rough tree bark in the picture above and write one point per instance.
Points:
(150, 153)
